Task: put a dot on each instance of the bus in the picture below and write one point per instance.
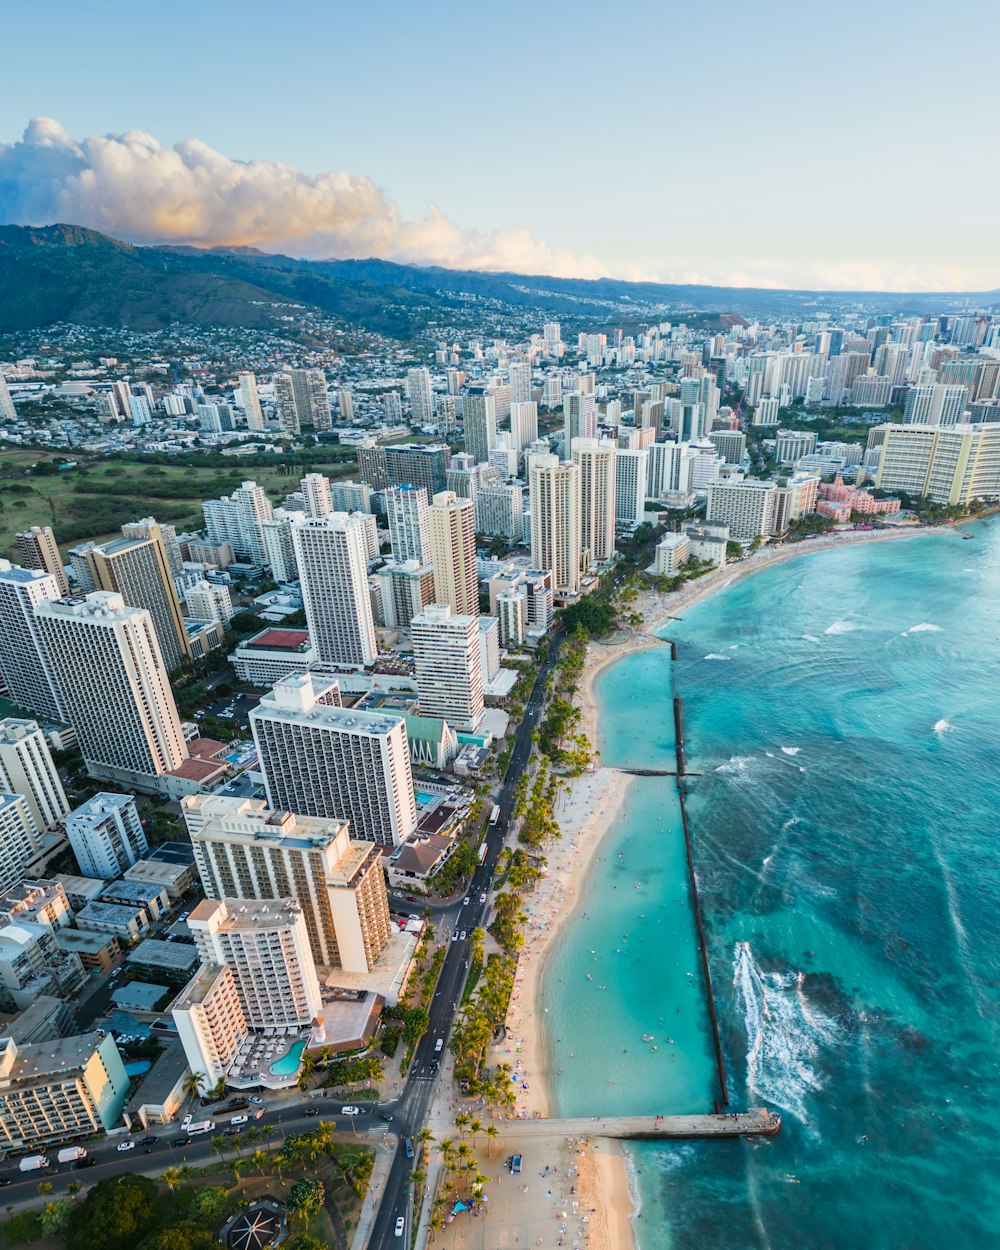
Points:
(495, 814)
(482, 854)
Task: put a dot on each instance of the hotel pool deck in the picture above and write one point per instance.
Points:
(271, 1060)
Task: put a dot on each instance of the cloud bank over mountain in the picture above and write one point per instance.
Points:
(132, 187)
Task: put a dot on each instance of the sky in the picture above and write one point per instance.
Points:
(848, 146)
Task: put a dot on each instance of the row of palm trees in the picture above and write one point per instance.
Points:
(462, 1177)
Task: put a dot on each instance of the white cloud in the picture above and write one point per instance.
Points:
(132, 187)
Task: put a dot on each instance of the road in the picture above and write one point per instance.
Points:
(412, 1108)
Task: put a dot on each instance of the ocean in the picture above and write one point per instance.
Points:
(842, 710)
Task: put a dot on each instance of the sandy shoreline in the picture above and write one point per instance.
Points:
(585, 816)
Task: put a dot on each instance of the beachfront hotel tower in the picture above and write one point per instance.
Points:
(596, 460)
(448, 666)
(453, 552)
(244, 849)
(554, 501)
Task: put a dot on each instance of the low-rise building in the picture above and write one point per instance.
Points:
(672, 552)
(175, 879)
(124, 921)
(272, 654)
(97, 952)
(152, 899)
(173, 962)
(414, 864)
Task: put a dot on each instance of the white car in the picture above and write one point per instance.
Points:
(454, 936)
(465, 902)
(350, 1111)
(461, 936)
(482, 898)
(126, 1145)
(256, 1100)
(400, 1225)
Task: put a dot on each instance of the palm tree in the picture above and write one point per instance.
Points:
(73, 1188)
(492, 1133)
(461, 1120)
(45, 1188)
(219, 1145)
(172, 1178)
(475, 1126)
(193, 1084)
(253, 1135)
(260, 1159)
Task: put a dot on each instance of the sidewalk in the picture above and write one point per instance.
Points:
(384, 1156)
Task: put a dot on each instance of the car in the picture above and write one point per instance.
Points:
(350, 1111)
(182, 1141)
(385, 1115)
(125, 1145)
(465, 902)
(439, 1046)
(454, 936)
(5, 1180)
(150, 1140)
(408, 1147)
(90, 1162)
(411, 898)
(257, 1100)
(313, 1111)
(434, 1065)
(462, 936)
(482, 898)
(231, 1132)
(400, 1225)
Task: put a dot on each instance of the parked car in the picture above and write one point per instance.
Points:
(313, 1111)
(125, 1145)
(350, 1111)
(400, 1225)
(256, 1100)
(182, 1141)
(150, 1140)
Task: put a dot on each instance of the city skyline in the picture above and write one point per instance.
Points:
(810, 176)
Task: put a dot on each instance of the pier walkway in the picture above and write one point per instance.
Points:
(648, 1127)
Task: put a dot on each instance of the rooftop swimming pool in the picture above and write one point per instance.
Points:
(423, 799)
(289, 1062)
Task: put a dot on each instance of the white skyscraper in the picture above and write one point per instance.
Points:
(449, 671)
(597, 464)
(453, 552)
(317, 495)
(520, 384)
(279, 547)
(409, 523)
(579, 418)
(499, 510)
(27, 768)
(630, 488)
(106, 835)
(332, 557)
(479, 417)
(118, 698)
(418, 392)
(206, 601)
(24, 657)
(523, 425)
(250, 401)
(319, 759)
(265, 944)
(554, 503)
(238, 518)
(18, 842)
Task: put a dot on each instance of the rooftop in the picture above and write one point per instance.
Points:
(296, 640)
(46, 1059)
(175, 956)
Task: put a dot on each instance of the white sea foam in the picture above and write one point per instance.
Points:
(791, 750)
(813, 638)
(736, 764)
(943, 726)
(712, 656)
(924, 628)
(842, 626)
(785, 1034)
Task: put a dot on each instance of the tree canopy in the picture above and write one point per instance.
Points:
(115, 1214)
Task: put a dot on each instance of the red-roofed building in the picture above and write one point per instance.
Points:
(272, 654)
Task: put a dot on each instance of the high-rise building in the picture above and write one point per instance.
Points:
(24, 657)
(317, 495)
(209, 1019)
(951, 465)
(479, 419)
(207, 601)
(279, 546)
(138, 570)
(243, 849)
(27, 768)
(453, 552)
(149, 527)
(554, 503)
(37, 549)
(19, 843)
(630, 487)
(448, 669)
(60, 1090)
(107, 662)
(415, 464)
(332, 558)
(106, 835)
(510, 613)
(409, 524)
(579, 418)
(351, 496)
(597, 464)
(523, 425)
(748, 508)
(249, 400)
(237, 518)
(730, 444)
(420, 396)
(499, 511)
(320, 759)
(7, 410)
(372, 468)
(520, 384)
(345, 405)
(265, 943)
(935, 405)
(406, 589)
(766, 411)
(302, 399)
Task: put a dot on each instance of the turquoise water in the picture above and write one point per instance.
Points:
(137, 1067)
(289, 1062)
(849, 741)
(422, 799)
